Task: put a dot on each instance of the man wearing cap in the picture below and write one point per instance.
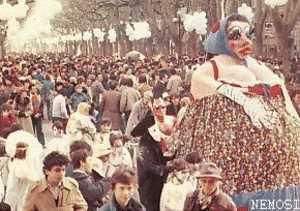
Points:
(209, 196)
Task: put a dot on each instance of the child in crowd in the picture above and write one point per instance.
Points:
(102, 163)
(105, 130)
(60, 142)
(179, 184)
(120, 154)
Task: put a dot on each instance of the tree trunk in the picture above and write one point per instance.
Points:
(284, 24)
(284, 53)
(261, 13)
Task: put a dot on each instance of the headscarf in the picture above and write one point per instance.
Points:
(216, 42)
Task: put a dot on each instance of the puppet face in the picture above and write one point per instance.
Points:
(238, 37)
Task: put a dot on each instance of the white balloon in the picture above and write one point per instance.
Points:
(138, 30)
(99, 34)
(196, 21)
(6, 11)
(20, 10)
(13, 27)
(274, 3)
(246, 11)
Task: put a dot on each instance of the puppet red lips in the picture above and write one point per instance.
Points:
(245, 50)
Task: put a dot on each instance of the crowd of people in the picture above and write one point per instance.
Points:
(158, 134)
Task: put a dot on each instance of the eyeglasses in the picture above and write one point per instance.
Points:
(236, 33)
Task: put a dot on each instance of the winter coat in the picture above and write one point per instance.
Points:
(113, 205)
(40, 198)
(97, 89)
(159, 89)
(174, 85)
(172, 110)
(46, 89)
(92, 192)
(151, 165)
(110, 108)
(80, 127)
(129, 97)
(221, 202)
(138, 113)
(144, 88)
(24, 116)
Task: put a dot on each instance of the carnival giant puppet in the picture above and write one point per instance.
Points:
(243, 120)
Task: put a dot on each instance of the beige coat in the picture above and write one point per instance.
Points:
(40, 198)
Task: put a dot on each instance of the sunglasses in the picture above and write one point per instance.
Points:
(160, 107)
(236, 33)
(207, 180)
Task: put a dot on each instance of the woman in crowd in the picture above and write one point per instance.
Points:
(7, 119)
(24, 110)
(80, 126)
(242, 118)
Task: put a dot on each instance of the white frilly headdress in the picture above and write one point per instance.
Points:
(31, 166)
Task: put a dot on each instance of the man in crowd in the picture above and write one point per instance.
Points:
(209, 195)
(55, 192)
(59, 109)
(129, 96)
(92, 192)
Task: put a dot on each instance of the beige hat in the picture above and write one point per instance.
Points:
(100, 150)
(98, 166)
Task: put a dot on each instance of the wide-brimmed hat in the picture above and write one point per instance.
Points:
(209, 169)
(97, 166)
(101, 150)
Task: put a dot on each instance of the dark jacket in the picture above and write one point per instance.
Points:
(113, 205)
(151, 165)
(172, 110)
(221, 202)
(159, 89)
(110, 108)
(92, 192)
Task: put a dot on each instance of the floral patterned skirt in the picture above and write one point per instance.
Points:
(251, 159)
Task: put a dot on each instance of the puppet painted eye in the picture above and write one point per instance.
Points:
(215, 27)
(234, 34)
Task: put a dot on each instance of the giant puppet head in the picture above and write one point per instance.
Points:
(230, 36)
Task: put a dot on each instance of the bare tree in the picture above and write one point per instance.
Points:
(261, 12)
(284, 22)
